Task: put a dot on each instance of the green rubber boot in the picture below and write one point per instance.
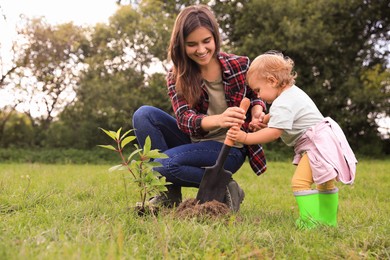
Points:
(308, 209)
(328, 207)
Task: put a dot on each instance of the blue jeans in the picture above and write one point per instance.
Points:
(187, 161)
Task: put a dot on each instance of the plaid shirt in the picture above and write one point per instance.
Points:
(189, 119)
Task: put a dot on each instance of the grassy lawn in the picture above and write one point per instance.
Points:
(80, 212)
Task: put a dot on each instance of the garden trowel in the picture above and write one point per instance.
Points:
(216, 178)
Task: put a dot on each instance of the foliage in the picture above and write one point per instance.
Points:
(115, 84)
(340, 49)
(139, 164)
(16, 129)
(154, 95)
(97, 77)
(76, 212)
(52, 63)
(49, 60)
(56, 156)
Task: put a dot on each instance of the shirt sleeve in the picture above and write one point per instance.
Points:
(281, 117)
(188, 119)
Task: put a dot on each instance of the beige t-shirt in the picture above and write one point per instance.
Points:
(217, 105)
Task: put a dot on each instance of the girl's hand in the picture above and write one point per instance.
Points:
(236, 134)
(232, 116)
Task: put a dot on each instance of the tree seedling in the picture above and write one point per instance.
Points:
(140, 165)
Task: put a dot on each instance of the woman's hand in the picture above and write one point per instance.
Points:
(232, 116)
(259, 119)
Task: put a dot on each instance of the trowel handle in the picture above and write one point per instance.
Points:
(245, 103)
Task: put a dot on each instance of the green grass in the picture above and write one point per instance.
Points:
(80, 212)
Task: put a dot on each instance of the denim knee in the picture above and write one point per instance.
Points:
(141, 114)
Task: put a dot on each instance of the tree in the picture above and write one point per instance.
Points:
(112, 82)
(335, 45)
(115, 83)
(18, 131)
(50, 63)
(5, 115)
(340, 50)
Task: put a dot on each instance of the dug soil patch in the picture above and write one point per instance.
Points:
(191, 208)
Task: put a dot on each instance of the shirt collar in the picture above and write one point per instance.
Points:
(222, 59)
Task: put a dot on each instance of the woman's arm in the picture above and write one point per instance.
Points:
(188, 120)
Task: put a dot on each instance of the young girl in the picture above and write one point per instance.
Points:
(205, 86)
(322, 153)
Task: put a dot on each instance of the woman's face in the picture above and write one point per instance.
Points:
(200, 46)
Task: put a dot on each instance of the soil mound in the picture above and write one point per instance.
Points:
(191, 208)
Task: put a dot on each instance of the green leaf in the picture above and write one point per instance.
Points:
(135, 166)
(155, 154)
(162, 188)
(133, 154)
(155, 182)
(109, 147)
(127, 140)
(111, 134)
(149, 177)
(125, 134)
(147, 145)
(153, 164)
(119, 167)
(118, 134)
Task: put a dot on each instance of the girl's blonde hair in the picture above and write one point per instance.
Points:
(273, 63)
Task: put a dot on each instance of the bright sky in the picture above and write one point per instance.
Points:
(80, 12)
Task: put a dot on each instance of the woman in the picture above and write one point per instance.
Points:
(205, 86)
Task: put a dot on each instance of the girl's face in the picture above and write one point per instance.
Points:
(264, 87)
(200, 46)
